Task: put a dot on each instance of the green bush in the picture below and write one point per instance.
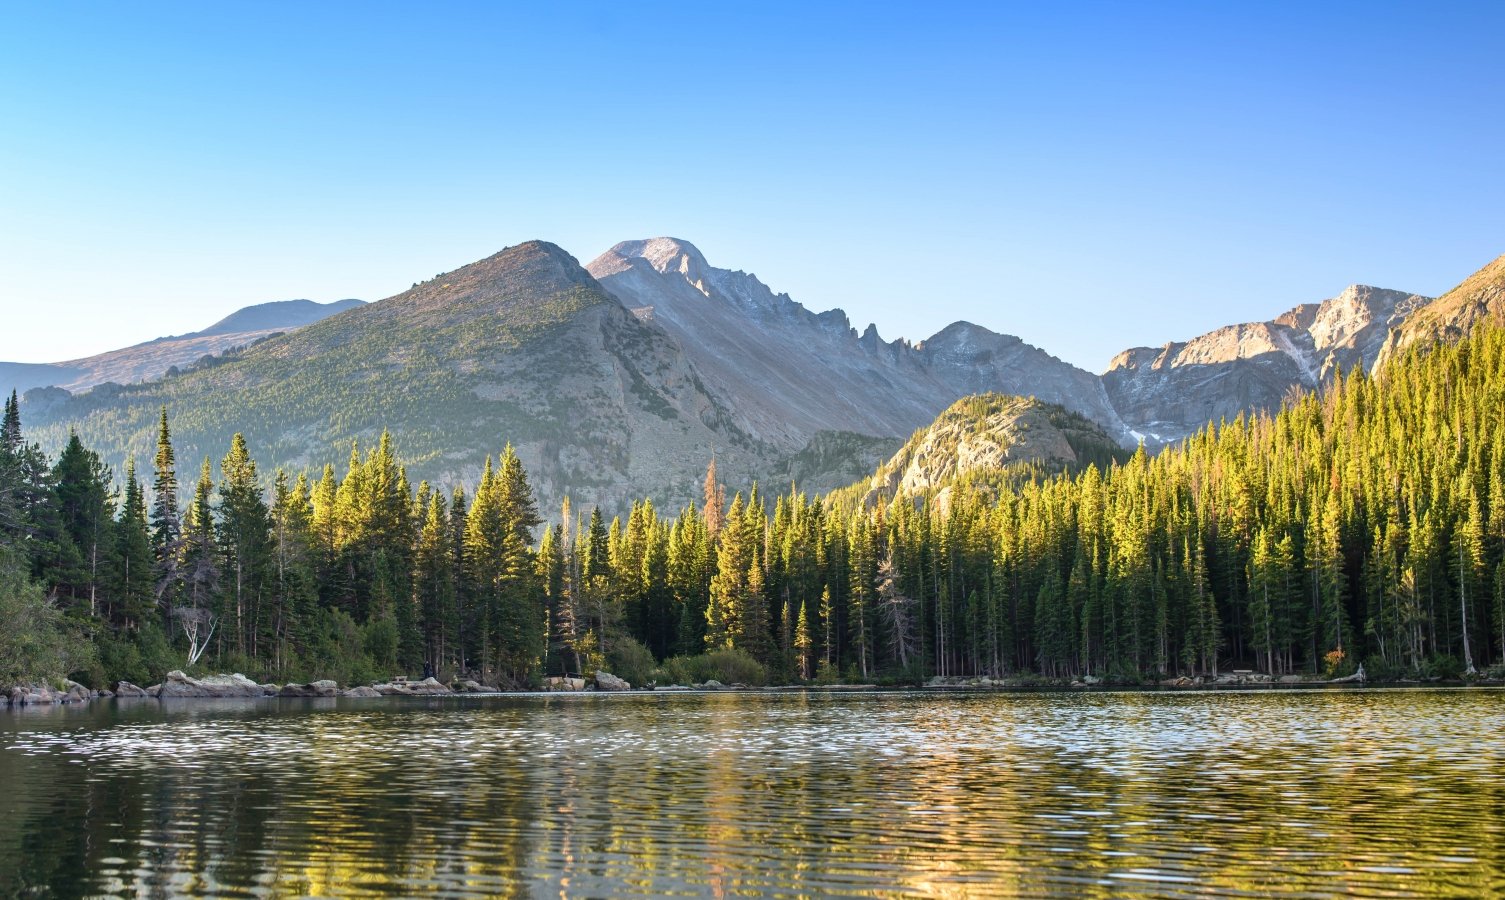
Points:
(630, 660)
(735, 667)
(1377, 668)
(335, 649)
(36, 640)
(1443, 666)
(142, 657)
(725, 666)
(684, 670)
(379, 638)
(826, 673)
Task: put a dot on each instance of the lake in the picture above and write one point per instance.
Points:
(1297, 793)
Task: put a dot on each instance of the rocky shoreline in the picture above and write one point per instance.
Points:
(178, 685)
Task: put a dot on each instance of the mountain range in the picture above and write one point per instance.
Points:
(622, 378)
(152, 359)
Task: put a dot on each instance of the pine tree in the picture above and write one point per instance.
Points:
(83, 550)
(196, 613)
(294, 585)
(167, 528)
(244, 539)
(133, 555)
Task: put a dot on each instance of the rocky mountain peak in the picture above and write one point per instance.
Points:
(1168, 393)
(788, 373)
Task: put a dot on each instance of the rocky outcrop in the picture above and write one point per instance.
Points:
(312, 689)
(988, 433)
(177, 684)
(1164, 394)
(428, 687)
(127, 691)
(1480, 298)
(563, 683)
(605, 681)
(33, 695)
(364, 692)
(473, 687)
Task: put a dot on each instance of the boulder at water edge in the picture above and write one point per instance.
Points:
(605, 681)
(178, 684)
(312, 689)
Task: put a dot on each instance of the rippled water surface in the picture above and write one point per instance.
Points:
(1373, 793)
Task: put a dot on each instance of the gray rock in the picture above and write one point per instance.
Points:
(474, 687)
(605, 681)
(33, 695)
(312, 689)
(428, 687)
(711, 685)
(363, 692)
(178, 684)
(853, 383)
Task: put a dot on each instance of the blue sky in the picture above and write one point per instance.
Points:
(1087, 176)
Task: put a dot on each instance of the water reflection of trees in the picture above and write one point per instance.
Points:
(730, 794)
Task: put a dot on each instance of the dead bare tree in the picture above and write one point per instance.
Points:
(195, 621)
(896, 608)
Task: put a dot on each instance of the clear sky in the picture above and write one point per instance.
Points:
(1087, 176)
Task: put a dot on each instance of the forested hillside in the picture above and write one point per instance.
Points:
(1364, 523)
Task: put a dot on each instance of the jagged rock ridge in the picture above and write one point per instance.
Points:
(787, 373)
(1166, 393)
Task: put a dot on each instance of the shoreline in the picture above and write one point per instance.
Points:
(77, 696)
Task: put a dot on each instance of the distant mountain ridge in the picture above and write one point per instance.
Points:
(622, 379)
(1169, 392)
(279, 315)
(152, 359)
(523, 347)
(787, 373)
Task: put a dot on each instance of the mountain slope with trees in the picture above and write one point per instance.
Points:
(1480, 298)
(523, 344)
(1363, 523)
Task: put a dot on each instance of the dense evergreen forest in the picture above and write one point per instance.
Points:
(1364, 523)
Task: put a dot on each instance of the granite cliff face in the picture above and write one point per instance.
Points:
(787, 373)
(987, 436)
(1166, 393)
